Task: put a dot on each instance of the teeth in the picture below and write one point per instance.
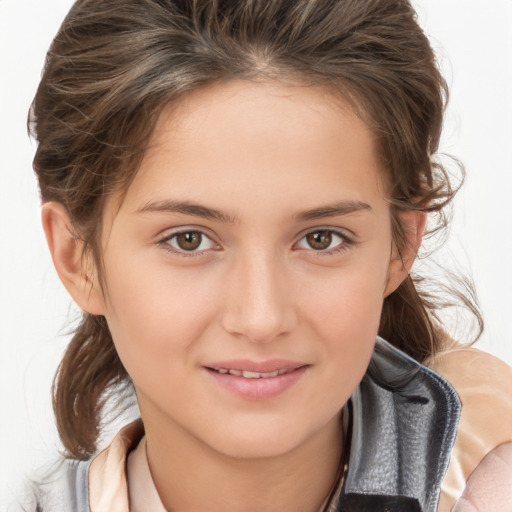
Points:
(270, 374)
(252, 375)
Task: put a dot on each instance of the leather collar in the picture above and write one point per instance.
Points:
(405, 419)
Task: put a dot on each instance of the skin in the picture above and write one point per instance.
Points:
(270, 158)
(489, 487)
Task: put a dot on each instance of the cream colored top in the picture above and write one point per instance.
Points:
(484, 385)
(142, 491)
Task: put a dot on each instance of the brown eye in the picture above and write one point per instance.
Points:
(324, 242)
(189, 241)
(319, 240)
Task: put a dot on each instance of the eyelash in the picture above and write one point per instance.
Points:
(165, 243)
(343, 246)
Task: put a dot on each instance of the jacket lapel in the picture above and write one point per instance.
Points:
(405, 419)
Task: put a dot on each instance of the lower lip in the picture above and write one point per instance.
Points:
(258, 389)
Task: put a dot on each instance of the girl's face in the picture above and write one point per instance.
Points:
(246, 267)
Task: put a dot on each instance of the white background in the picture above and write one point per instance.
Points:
(474, 43)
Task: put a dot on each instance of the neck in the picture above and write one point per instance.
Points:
(190, 476)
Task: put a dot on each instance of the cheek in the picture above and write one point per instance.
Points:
(155, 315)
(348, 300)
(345, 314)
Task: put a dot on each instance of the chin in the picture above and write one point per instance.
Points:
(263, 439)
(258, 447)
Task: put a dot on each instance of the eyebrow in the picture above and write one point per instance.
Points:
(198, 210)
(186, 208)
(333, 210)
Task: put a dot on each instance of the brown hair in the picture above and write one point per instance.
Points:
(114, 64)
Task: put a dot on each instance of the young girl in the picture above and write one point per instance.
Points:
(234, 193)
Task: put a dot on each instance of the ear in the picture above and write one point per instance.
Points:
(413, 223)
(76, 271)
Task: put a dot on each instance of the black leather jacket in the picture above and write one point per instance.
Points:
(405, 419)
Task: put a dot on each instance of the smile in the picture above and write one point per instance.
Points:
(253, 375)
(249, 384)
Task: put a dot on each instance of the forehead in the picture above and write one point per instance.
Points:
(243, 143)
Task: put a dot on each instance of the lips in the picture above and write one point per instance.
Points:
(247, 374)
(246, 365)
(257, 381)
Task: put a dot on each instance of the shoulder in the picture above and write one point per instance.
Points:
(484, 385)
(465, 366)
(489, 487)
(99, 484)
(108, 483)
(63, 485)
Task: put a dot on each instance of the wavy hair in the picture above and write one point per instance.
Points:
(114, 65)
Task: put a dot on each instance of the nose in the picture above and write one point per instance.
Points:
(259, 299)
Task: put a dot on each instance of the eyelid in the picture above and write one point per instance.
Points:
(169, 232)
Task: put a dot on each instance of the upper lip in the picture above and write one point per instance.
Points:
(268, 366)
